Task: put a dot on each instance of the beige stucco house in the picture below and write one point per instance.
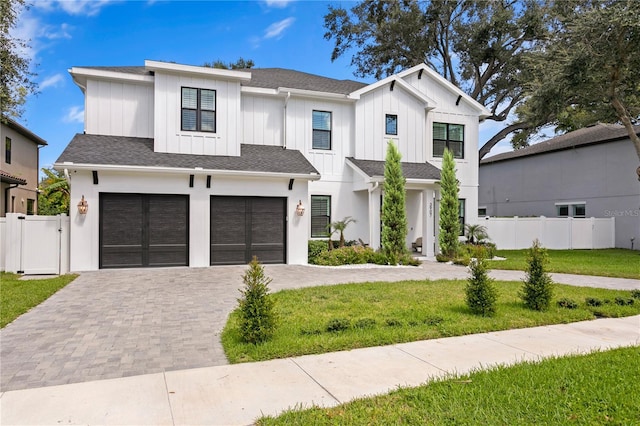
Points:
(19, 168)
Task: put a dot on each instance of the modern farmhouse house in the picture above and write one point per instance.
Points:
(195, 166)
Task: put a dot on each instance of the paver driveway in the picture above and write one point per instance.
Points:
(116, 323)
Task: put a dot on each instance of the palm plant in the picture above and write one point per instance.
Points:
(476, 234)
(340, 226)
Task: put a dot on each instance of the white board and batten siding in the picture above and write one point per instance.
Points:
(116, 108)
(370, 137)
(262, 118)
(168, 134)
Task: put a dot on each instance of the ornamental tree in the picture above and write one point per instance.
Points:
(394, 214)
(449, 207)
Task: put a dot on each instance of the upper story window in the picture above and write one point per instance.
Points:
(7, 150)
(450, 136)
(198, 110)
(391, 124)
(321, 130)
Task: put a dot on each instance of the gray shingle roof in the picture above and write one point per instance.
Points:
(128, 151)
(599, 133)
(410, 170)
(272, 78)
(24, 131)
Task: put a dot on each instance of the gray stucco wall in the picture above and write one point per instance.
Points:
(602, 176)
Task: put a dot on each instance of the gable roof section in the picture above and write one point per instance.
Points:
(482, 110)
(121, 151)
(14, 125)
(394, 79)
(599, 133)
(418, 171)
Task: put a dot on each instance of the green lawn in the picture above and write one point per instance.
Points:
(619, 263)
(18, 296)
(599, 388)
(383, 313)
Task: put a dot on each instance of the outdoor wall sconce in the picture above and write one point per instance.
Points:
(83, 206)
(300, 209)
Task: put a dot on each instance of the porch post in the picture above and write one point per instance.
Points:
(374, 218)
(428, 207)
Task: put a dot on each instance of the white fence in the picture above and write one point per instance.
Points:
(34, 244)
(553, 233)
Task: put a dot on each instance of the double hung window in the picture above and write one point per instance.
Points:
(198, 110)
(321, 130)
(449, 136)
(320, 215)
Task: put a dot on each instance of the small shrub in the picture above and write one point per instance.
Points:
(378, 258)
(593, 301)
(408, 260)
(537, 290)
(462, 260)
(315, 248)
(338, 324)
(624, 301)
(490, 249)
(257, 318)
(352, 255)
(365, 323)
(392, 322)
(635, 294)
(440, 257)
(480, 291)
(567, 303)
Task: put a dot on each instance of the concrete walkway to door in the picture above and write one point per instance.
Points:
(118, 323)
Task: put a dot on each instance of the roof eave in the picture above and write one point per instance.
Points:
(184, 170)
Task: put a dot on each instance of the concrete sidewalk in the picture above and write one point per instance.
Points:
(238, 394)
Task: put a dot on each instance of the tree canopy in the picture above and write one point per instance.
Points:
(590, 71)
(16, 79)
(240, 64)
(479, 46)
(54, 193)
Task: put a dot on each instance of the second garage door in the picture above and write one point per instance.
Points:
(243, 227)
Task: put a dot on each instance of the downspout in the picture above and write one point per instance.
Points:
(6, 196)
(284, 128)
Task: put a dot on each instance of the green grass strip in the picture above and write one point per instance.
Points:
(617, 263)
(341, 317)
(599, 388)
(19, 296)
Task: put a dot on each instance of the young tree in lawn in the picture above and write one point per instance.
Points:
(394, 214)
(449, 207)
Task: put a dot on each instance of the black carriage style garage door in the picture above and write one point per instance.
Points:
(143, 230)
(243, 227)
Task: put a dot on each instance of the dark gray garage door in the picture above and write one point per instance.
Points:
(140, 230)
(243, 227)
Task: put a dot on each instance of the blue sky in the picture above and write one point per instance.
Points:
(67, 33)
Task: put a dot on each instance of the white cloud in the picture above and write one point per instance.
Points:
(278, 3)
(52, 81)
(83, 7)
(276, 29)
(75, 114)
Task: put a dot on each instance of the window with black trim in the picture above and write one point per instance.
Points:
(320, 215)
(321, 130)
(461, 214)
(30, 206)
(391, 124)
(198, 110)
(450, 136)
(7, 150)
(482, 211)
(571, 210)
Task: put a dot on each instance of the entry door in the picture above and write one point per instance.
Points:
(243, 227)
(144, 230)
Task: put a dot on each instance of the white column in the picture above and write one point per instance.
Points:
(374, 218)
(428, 208)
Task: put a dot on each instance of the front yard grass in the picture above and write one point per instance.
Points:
(18, 296)
(599, 388)
(617, 263)
(383, 313)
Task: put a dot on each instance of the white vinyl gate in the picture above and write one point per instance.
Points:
(36, 244)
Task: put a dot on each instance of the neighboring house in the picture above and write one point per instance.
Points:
(188, 165)
(590, 172)
(19, 170)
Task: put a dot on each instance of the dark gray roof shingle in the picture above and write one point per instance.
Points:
(410, 170)
(598, 133)
(128, 151)
(272, 78)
